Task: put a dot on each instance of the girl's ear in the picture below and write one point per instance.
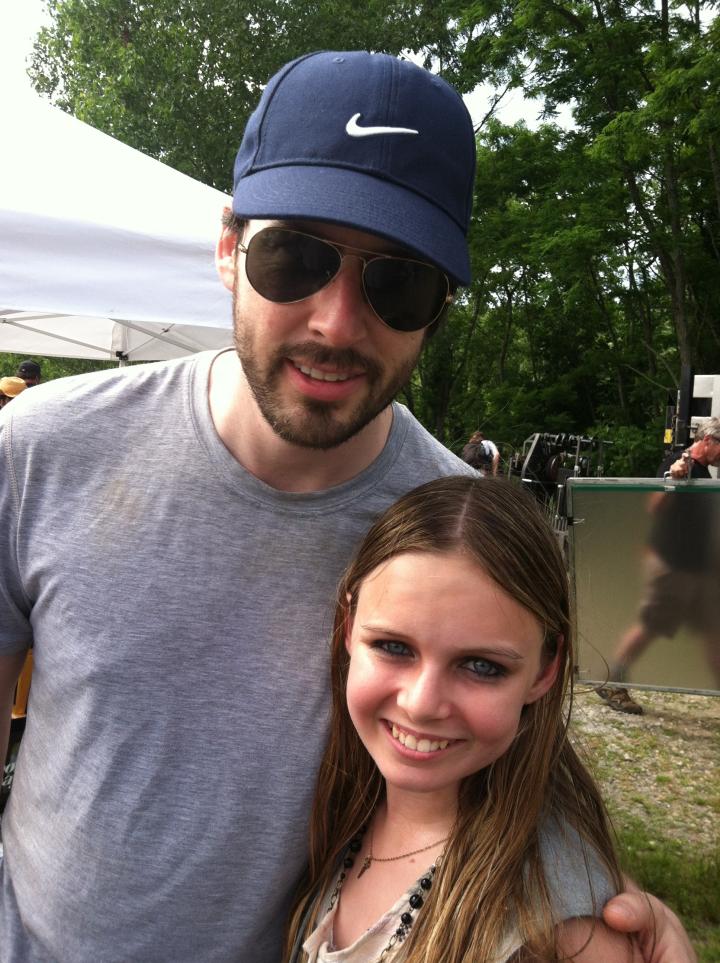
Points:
(547, 675)
(348, 623)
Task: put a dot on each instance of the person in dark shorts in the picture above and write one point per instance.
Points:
(681, 568)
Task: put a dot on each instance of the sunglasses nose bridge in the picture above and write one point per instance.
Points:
(350, 255)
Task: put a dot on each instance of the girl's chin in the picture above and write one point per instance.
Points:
(416, 784)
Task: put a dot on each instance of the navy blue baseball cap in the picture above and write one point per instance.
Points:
(367, 141)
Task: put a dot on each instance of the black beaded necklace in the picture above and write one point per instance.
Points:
(415, 900)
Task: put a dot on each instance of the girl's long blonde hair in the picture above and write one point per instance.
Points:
(492, 874)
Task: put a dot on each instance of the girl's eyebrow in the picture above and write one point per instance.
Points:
(482, 651)
(465, 651)
(382, 630)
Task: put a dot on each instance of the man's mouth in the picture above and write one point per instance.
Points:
(318, 375)
(422, 744)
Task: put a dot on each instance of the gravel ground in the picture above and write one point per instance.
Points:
(662, 768)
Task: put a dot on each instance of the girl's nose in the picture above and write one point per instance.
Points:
(424, 696)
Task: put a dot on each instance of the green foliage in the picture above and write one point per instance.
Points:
(52, 367)
(636, 452)
(687, 881)
(595, 250)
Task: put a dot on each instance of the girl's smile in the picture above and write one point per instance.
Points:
(442, 663)
(416, 742)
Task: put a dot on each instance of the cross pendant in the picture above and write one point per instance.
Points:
(365, 866)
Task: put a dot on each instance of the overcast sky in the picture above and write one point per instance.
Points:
(19, 22)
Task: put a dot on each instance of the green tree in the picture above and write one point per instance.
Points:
(52, 367)
(643, 81)
(596, 249)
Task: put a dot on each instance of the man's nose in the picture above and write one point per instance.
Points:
(341, 314)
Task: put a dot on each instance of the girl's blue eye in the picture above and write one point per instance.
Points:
(484, 669)
(392, 648)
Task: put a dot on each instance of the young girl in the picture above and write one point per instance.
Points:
(452, 819)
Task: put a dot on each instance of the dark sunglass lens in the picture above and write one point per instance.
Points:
(285, 266)
(408, 295)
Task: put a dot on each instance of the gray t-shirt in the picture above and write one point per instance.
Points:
(179, 610)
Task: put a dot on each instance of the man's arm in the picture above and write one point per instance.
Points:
(496, 462)
(660, 934)
(10, 667)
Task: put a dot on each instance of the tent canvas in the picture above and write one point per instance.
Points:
(104, 252)
(100, 339)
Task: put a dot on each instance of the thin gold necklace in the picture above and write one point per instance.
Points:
(415, 901)
(370, 859)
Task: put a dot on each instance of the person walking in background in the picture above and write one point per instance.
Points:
(482, 454)
(682, 569)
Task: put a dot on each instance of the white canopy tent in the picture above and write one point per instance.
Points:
(105, 253)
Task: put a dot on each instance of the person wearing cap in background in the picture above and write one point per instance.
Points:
(10, 388)
(30, 372)
(180, 602)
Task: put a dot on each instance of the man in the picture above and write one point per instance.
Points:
(703, 454)
(481, 453)
(30, 372)
(10, 388)
(175, 562)
(681, 568)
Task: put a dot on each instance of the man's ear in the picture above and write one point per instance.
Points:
(225, 260)
(547, 675)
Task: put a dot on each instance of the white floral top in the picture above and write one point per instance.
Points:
(367, 948)
(566, 862)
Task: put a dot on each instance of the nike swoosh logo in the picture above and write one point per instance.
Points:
(354, 130)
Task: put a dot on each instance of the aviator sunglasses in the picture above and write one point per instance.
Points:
(286, 266)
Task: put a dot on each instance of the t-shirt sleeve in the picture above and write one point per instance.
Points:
(15, 629)
(578, 881)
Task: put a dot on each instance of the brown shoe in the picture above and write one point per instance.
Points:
(619, 699)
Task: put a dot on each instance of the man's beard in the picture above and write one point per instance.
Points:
(307, 422)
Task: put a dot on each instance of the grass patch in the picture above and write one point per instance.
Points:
(689, 882)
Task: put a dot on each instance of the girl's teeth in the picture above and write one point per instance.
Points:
(422, 745)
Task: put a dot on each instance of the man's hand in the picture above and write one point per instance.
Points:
(681, 467)
(659, 933)
(10, 666)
